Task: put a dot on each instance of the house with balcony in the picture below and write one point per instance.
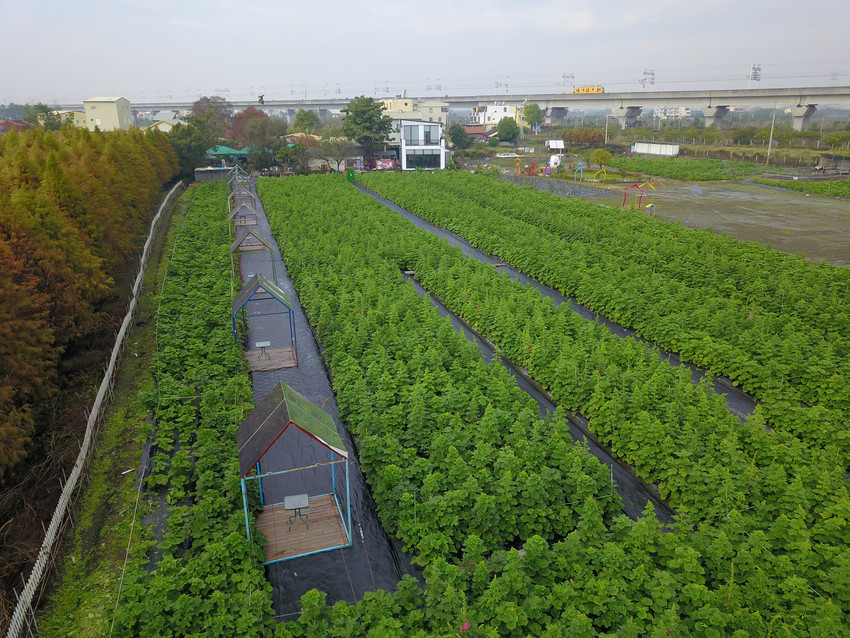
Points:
(419, 144)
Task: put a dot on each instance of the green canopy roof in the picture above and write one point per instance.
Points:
(258, 283)
(226, 150)
(281, 408)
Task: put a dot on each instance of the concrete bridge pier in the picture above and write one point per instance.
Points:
(557, 115)
(714, 114)
(802, 113)
(627, 115)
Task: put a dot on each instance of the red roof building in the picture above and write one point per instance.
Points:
(14, 125)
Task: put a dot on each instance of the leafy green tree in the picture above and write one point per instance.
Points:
(306, 121)
(838, 138)
(746, 135)
(333, 147)
(600, 157)
(239, 125)
(365, 123)
(460, 138)
(534, 115)
(191, 146)
(266, 137)
(42, 115)
(213, 115)
(12, 111)
(292, 155)
(508, 129)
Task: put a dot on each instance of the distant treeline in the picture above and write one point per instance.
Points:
(72, 206)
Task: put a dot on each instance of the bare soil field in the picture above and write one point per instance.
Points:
(817, 227)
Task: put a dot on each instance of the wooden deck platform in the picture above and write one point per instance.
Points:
(273, 359)
(325, 529)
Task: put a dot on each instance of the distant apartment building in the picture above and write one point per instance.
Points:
(492, 114)
(108, 113)
(397, 105)
(425, 110)
(671, 112)
(433, 111)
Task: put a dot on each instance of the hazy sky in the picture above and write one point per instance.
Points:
(61, 52)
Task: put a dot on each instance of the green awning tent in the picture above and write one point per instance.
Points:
(226, 151)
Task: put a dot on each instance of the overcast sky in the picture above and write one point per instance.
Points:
(61, 51)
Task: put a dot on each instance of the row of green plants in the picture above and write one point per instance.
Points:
(694, 170)
(196, 573)
(452, 447)
(773, 323)
(831, 188)
(761, 544)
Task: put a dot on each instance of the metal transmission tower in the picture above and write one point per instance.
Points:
(568, 79)
(505, 84)
(755, 74)
(433, 87)
(648, 78)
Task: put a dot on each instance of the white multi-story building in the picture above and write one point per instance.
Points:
(420, 144)
(492, 114)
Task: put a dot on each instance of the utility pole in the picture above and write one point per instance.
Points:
(770, 141)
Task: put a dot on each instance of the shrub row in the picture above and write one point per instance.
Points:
(762, 542)
(202, 577)
(776, 324)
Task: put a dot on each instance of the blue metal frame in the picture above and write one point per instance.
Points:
(260, 483)
(242, 315)
(343, 518)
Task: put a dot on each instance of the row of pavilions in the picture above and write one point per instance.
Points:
(291, 456)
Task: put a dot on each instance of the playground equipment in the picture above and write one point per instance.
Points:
(579, 174)
(604, 174)
(652, 184)
(638, 197)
